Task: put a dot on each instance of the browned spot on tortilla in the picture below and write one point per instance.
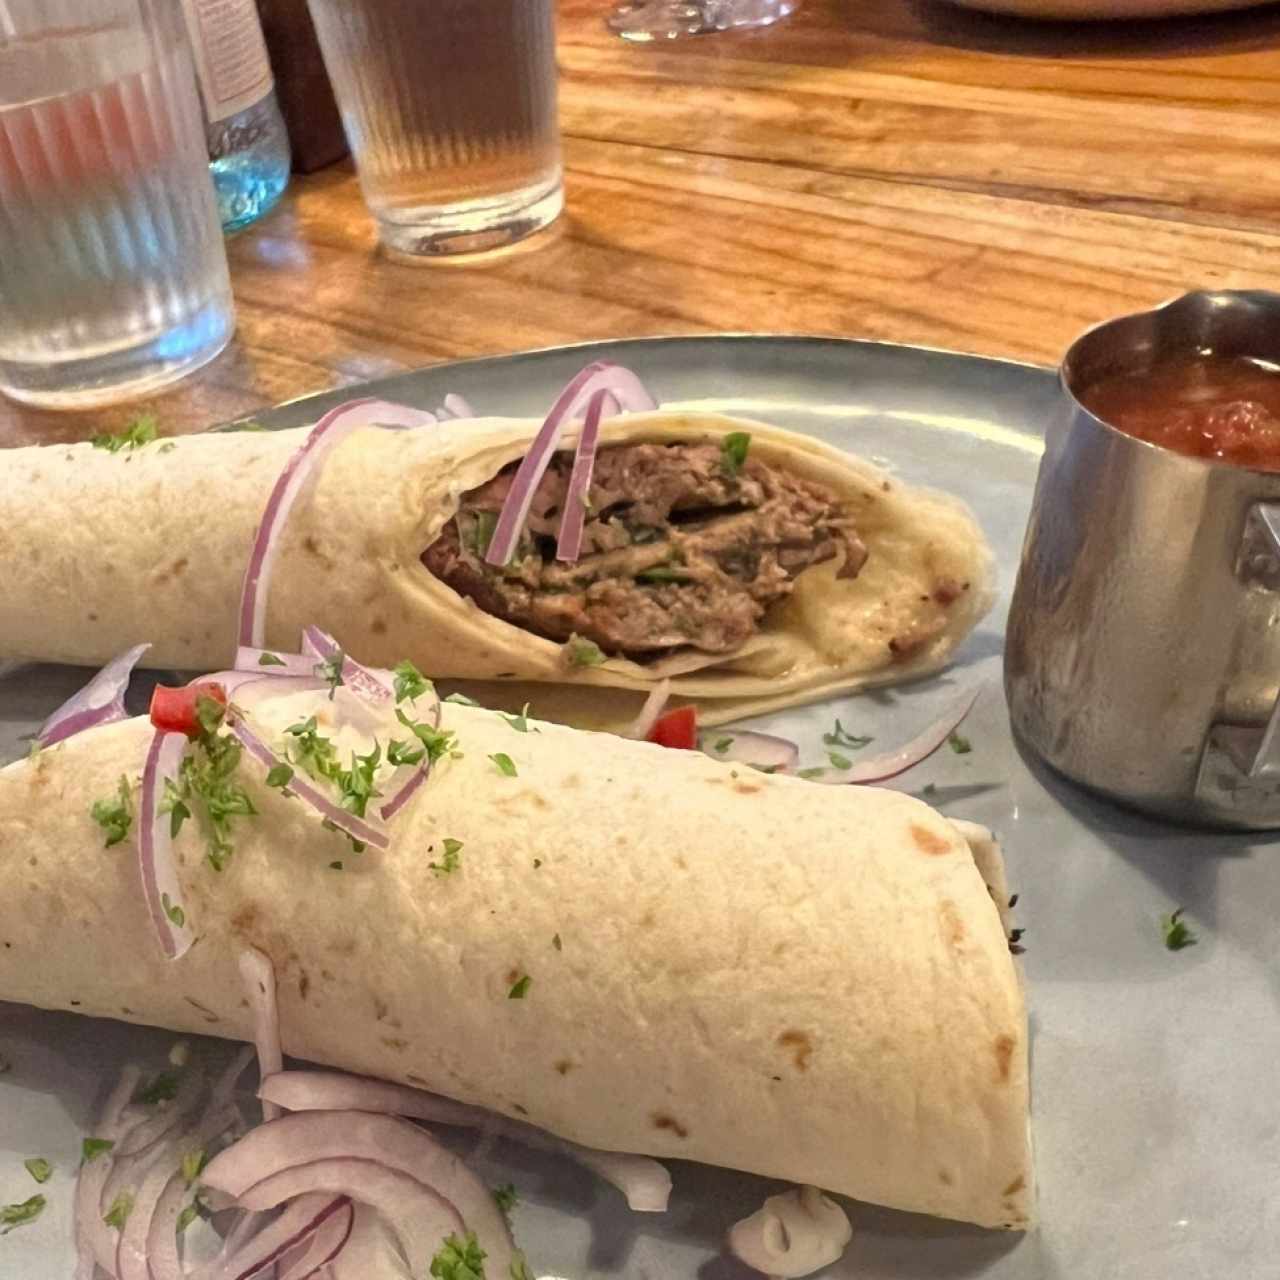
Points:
(378, 626)
(1004, 1047)
(947, 591)
(885, 486)
(802, 1047)
(304, 984)
(515, 1106)
(513, 976)
(326, 975)
(539, 802)
(394, 1042)
(208, 1014)
(564, 1066)
(952, 925)
(663, 1120)
(648, 920)
(244, 919)
(128, 1013)
(747, 788)
(945, 1178)
(570, 780)
(1015, 1186)
(681, 863)
(345, 947)
(380, 1008)
(929, 842)
(310, 544)
(418, 1080)
(93, 617)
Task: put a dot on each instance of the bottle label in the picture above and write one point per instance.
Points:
(230, 55)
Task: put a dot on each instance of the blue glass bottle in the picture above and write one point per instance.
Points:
(248, 144)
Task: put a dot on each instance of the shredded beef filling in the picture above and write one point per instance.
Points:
(678, 550)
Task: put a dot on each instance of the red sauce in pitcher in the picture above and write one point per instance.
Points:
(1220, 407)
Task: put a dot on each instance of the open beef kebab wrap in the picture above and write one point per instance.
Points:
(637, 949)
(753, 566)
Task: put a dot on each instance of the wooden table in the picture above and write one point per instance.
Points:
(880, 168)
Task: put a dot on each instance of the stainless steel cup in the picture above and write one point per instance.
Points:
(1143, 651)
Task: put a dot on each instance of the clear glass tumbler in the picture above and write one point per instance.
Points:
(450, 110)
(645, 20)
(113, 273)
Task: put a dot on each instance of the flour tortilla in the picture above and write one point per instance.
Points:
(102, 551)
(812, 983)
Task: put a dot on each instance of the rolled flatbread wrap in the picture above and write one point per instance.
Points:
(811, 983)
(800, 573)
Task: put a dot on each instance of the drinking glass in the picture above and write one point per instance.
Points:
(113, 274)
(450, 110)
(645, 20)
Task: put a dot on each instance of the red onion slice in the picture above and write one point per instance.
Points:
(890, 764)
(569, 543)
(371, 1252)
(100, 701)
(300, 786)
(259, 977)
(328, 432)
(651, 712)
(359, 679)
(794, 1234)
(420, 1217)
(160, 885)
(94, 1241)
(307, 1214)
(645, 1183)
(627, 391)
(304, 1259)
(307, 1137)
(167, 1117)
(405, 782)
(745, 746)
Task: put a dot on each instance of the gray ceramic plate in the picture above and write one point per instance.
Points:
(1157, 1113)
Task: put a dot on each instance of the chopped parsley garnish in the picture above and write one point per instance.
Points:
(438, 742)
(555, 942)
(115, 816)
(816, 772)
(722, 745)
(959, 744)
(330, 671)
(399, 753)
(450, 862)
(168, 447)
(410, 682)
(39, 1168)
(520, 987)
(121, 1208)
(174, 912)
(280, 775)
(462, 700)
(1176, 932)
(838, 761)
(206, 776)
(311, 751)
(580, 652)
(733, 451)
(336, 866)
(520, 723)
(142, 430)
(841, 737)
(164, 1088)
(660, 573)
(172, 803)
(482, 531)
(506, 1197)
(13, 1216)
(92, 1148)
(187, 1217)
(520, 1268)
(192, 1163)
(271, 660)
(356, 783)
(505, 765)
(459, 1259)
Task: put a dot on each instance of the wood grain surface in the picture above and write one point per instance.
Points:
(884, 169)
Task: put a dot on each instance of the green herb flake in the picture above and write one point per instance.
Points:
(206, 782)
(115, 816)
(330, 671)
(555, 942)
(280, 775)
(121, 1208)
(520, 987)
(459, 1259)
(810, 774)
(192, 1164)
(733, 451)
(660, 573)
(92, 1148)
(399, 753)
(520, 1268)
(39, 1168)
(187, 1217)
(580, 652)
(505, 765)
(838, 761)
(506, 1197)
(841, 737)
(174, 912)
(335, 866)
(438, 742)
(141, 431)
(13, 1216)
(482, 531)
(410, 682)
(172, 803)
(1177, 934)
(450, 862)
(271, 660)
(461, 700)
(520, 723)
(722, 745)
(163, 1088)
(959, 744)
(168, 447)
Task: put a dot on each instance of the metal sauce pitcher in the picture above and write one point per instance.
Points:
(1143, 651)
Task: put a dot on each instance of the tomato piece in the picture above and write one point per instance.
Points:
(678, 728)
(174, 710)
